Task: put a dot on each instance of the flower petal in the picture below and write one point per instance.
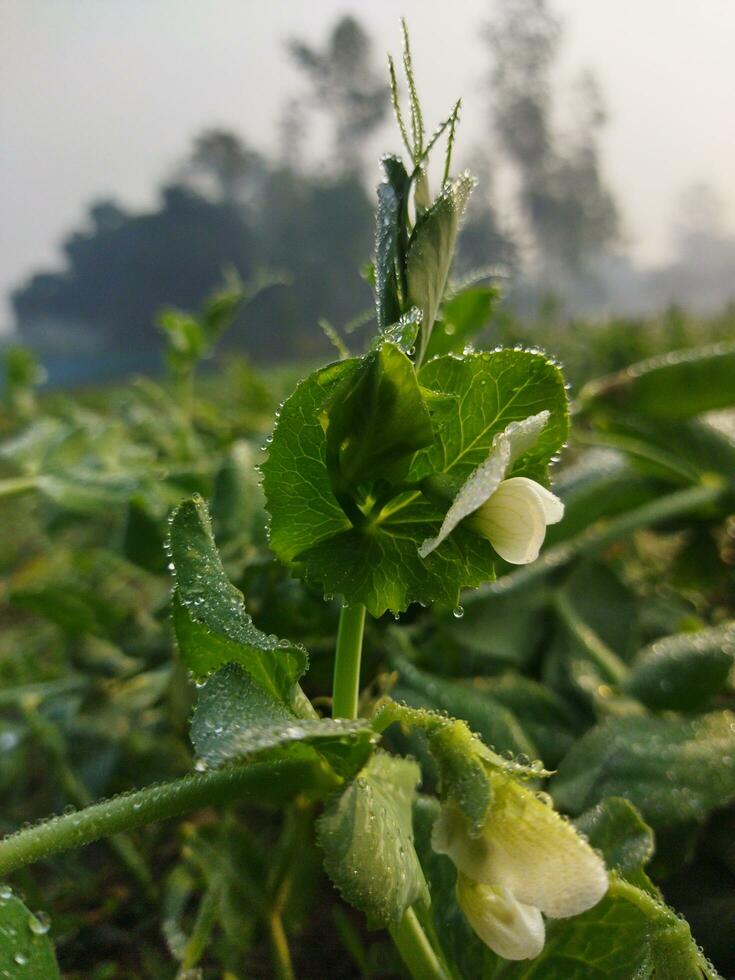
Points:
(537, 854)
(513, 520)
(553, 507)
(481, 484)
(515, 439)
(511, 929)
(450, 836)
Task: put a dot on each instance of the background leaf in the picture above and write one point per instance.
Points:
(616, 829)
(462, 317)
(683, 672)
(674, 385)
(674, 771)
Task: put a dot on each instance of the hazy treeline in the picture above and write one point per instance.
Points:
(230, 205)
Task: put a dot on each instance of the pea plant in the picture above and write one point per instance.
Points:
(505, 690)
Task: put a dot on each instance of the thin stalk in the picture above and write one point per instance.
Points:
(281, 952)
(206, 919)
(613, 669)
(17, 484)
(159, 802)
(416, 950)
(346, 687)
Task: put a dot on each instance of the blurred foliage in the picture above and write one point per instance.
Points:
(92, 695)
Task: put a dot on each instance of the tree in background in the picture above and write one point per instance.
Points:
(345, 86)
(704, 254)
(122, 268)
(225, 167)
(571, 216)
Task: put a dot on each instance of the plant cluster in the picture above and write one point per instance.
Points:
(534, 755)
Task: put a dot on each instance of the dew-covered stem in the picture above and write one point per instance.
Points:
(122, 813)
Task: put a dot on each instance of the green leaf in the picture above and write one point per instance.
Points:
(605, 605)
(299, 495)
(376, 419)
(378, 564)
(431, 250)
(212, 626)
(616, 829)
(685, 671)
(543, 717)
(390, 243)
(88, 491)
(237, 501)
(489, 391)
(669, 386)
(26, 951)
(678, 449)
(366, 834)
(235, 719)
(463, 316)
(599, 484)
(674, 771)
(628, 934)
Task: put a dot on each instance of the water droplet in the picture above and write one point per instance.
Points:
(40, 923)
(458, 612)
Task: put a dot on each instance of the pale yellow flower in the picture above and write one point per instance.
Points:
(515, 517)
(526, 860)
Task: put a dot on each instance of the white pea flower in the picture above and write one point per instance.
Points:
(511, 929)
(526, 860)
(512, 514)
(514, 518)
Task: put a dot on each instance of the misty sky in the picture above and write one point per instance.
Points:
(102, 97)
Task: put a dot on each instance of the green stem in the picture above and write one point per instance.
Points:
(411, 942)
(281, 951)
(416, 950)
(612, 668)
(17, 484)
(346, 687)
(159, 802)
